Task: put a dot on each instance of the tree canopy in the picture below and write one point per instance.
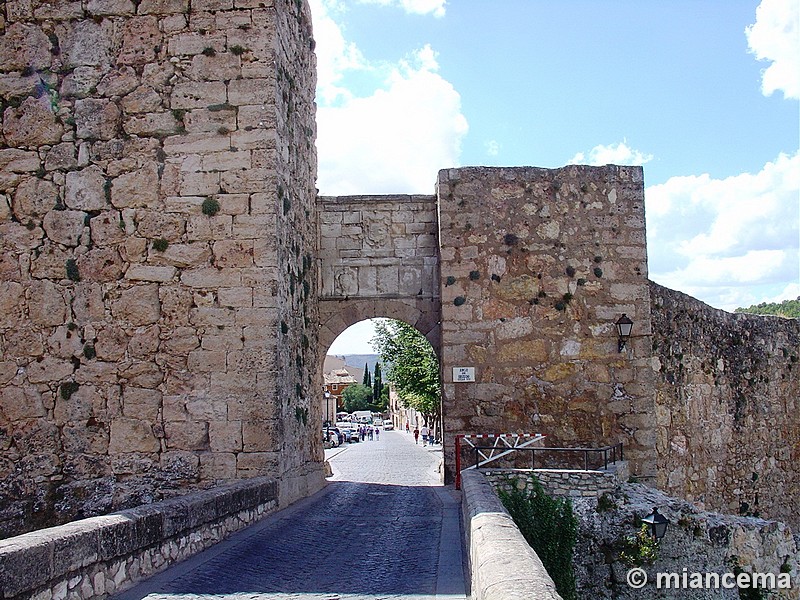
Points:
(788, 308)
(410, 364)
(357, 397)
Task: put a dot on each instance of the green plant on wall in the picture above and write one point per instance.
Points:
(639, 548)
(550, 528)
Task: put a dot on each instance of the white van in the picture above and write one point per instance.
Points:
(362, 416)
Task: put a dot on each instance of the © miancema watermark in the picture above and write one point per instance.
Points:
(637, 579)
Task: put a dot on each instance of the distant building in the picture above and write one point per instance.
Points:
(338, 377)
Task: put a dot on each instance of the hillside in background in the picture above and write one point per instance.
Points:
(359, 360)
(788, 308)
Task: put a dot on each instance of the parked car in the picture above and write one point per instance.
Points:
(349, 434)
(331, 436)
(388, 425)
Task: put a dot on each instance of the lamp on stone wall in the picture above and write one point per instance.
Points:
(656, 523)
(624, 328)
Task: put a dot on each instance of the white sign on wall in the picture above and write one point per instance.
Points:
(463, 374)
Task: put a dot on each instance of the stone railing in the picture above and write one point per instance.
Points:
(562, 482)
(501, 563)
(96, 557)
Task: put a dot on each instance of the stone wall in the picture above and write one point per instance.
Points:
(100, 556)
(157, 293)
(728, 407)
(695, 542)
(560, 482)
(537, 265)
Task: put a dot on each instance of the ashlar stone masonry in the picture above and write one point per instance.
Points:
(157, 328)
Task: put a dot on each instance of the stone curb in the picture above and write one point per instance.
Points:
(48, 557)
(502, 564)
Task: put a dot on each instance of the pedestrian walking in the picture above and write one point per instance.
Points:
(406, 427)
(416, 435)
(377, 434)
(424, 432)
(370, 429)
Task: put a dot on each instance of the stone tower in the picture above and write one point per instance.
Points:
(158, 287)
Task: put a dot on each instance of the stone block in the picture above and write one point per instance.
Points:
(46, 304)
(18, 403)
(186, 435)
(85, 189)
(64, 226)
(219, 67)
(141, 403)
(233, 253)
(206, 361)
(132, 435)
(34, 198)
(225, 436)
(259, 436)
(75, 545)
(140, 39)
(137, 188)
(49, 368)
(163, 7)
(138, 305)
(24, 45)
(256, 464)
(97, 119)
(153, 124)
(217, 465)
(150, 273)
(31, 125)
(26, 563)
(198, 95)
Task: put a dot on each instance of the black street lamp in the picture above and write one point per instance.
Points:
(624, 328)
(327, 408)
(656, 523)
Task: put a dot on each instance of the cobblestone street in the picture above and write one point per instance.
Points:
(383, 528)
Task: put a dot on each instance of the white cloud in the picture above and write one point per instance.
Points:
(721, 240)
(417, 7)
(335, 55)
(615, 154)
(492, 147)
(775, 37)
(391, 137)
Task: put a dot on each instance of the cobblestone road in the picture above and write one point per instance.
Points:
(383, 528)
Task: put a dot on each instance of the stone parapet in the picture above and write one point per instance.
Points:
(560, 482)
(96, 557)
(502, 565)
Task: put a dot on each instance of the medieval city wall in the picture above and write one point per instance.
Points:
(157, 302)
(727, 407)
(537, 265)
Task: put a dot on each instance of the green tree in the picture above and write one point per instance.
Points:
(356, 397)
(377, 384)
(411, 366)
(789, 309)
(367, 381)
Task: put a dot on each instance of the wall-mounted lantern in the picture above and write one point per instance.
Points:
(624, 328)
(656, 523)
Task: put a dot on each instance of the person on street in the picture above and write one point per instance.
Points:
(377, 434)
(416, 435)
(406, 427)
(424, 432)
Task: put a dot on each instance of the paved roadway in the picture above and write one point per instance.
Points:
(382, 528)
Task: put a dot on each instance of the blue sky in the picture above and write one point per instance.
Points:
(703, 94)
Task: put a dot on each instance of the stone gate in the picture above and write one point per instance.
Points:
(170, 281)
